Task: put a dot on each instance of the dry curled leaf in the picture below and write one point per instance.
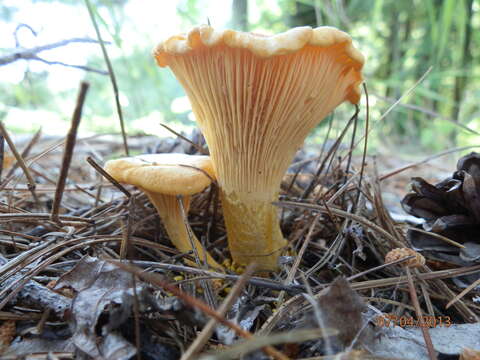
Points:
(340, 309)
(102, 312)
(103, 291)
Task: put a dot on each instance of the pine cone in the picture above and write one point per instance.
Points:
(451, 209)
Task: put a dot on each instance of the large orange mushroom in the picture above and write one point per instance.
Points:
(255, 99)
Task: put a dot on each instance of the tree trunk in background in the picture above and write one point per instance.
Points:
(465, 62)
(240, 15)
(303, 15)
(435, 84)
(2, 155)
(392, 44)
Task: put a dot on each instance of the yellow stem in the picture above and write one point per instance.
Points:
(253, 229)
(170, 213)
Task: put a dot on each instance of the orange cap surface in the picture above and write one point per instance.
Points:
(169, 174)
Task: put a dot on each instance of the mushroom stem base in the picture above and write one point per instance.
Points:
(253, 229)
(171, 215)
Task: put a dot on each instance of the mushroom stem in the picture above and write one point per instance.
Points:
(170, 213)
(253, 229)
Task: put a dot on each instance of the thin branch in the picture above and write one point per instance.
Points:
(424, 161)
(344, 214)
(256, 281)
(426, 335)
(42, 216)
(379, 267)
(111, 73)
(329, 155)
(429, 113)
(19, 26)
(437, 236)
(68, 153)
(29, 54)
(107, 176)
(136, 315)
(81, 67)
(365, 143)
(299, 258)
(198, 147)
(25, 154)
(463, 293)
(395, 104)
(290, 337)
(31, 182)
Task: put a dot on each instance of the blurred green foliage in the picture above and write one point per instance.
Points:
(401, 41)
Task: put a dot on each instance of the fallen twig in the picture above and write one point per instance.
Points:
(20, 161)
(418, 311)
(68, 152)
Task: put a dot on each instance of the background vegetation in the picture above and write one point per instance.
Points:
(402, 40)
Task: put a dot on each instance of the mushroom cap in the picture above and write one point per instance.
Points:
(256, 98)
(294, 40)
(169, 174)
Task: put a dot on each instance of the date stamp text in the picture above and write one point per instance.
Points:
(389, 320)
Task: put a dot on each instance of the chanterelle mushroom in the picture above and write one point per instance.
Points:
(162, 177)
(256, 98)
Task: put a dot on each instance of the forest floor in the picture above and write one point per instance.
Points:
(64, 293)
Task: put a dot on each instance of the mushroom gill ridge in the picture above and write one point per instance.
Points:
(254, 108)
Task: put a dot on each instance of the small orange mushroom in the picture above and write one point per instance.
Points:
(162, 177)
(255, 99)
